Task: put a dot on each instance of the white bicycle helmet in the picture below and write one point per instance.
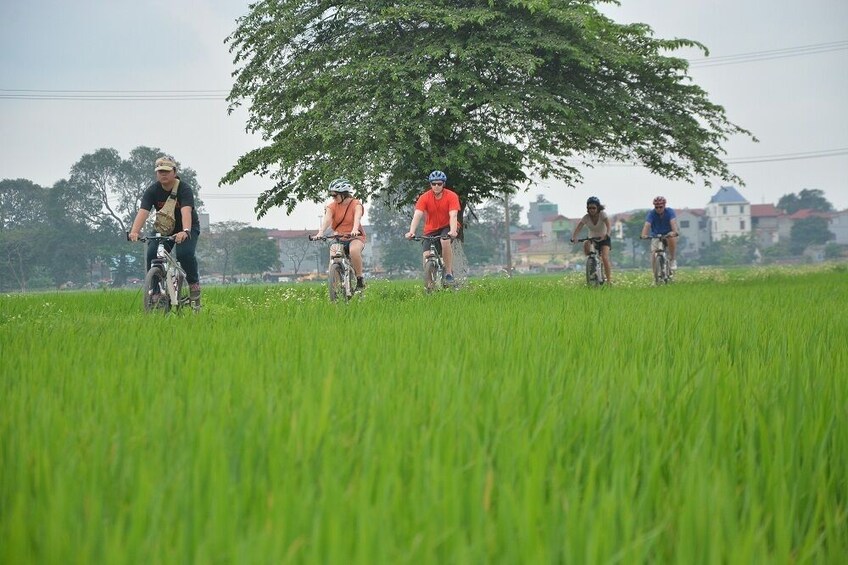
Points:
(340, 184)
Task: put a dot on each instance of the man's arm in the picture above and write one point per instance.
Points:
(140, 218)
(185, 214)
(674, 227)
(416, 217)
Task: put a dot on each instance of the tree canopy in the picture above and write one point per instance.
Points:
(494, 92)
(807, 199)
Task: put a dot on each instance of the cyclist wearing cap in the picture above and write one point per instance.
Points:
(662, 221)
(440, 208)
(343, 214)
(598, 224)
(187, 226)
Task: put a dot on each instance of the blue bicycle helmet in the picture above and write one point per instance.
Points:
(437, 176)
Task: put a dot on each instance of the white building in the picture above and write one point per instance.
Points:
(838, 226)
(729, 214)
(694, 234)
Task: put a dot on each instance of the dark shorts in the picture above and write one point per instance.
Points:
(603, 243)
(425, 245)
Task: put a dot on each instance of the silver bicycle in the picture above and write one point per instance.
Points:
(165, 285)
(434, 264)
(663, 274)
(341, 278)
(594, 266)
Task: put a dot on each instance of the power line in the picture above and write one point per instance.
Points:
(221, 94)
(756, 56)
(790, 156)
(746, 160)
(731, 161)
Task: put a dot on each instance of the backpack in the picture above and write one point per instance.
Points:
(166, 219)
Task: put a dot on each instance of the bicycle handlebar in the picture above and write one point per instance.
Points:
(146, 238)
(430, 237)
(337, 237)
(663, 236)
(595, 239)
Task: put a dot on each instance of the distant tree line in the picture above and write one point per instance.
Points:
(74, 231)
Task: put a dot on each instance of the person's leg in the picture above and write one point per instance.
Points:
(672, 251)
(152, 247)
(586, 245)
(447, 252)
(356, 247)
(605, 258)
(187, 258)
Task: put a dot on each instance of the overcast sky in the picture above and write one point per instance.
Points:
(788, 87)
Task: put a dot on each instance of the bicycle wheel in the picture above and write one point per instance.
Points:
(155, 295)
(591, 271)
(431, 276)
(335, 282)
(183, 292)
(351, 281)
(661, 269)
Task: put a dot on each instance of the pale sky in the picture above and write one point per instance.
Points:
(788, 87)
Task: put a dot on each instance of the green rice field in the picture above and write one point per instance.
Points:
(522, 420)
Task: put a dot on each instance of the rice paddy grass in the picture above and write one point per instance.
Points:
(516, 420)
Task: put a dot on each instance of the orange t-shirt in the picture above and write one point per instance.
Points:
(342, 215)
(437, 210)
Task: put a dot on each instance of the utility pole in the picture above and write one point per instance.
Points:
(508, 249)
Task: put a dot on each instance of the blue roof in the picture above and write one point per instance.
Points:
(727, 195)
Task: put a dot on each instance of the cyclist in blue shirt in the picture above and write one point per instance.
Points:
(662, 221)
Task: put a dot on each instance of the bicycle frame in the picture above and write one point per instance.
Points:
(165, 284)
(661, 265)
(594, 265)
(434, 264)
(340, 273)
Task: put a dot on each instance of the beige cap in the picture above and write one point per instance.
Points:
(165, 164)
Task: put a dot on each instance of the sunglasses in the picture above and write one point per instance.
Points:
(437, 183)
(658, 207)
(333, 194)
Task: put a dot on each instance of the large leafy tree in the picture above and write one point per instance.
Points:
(493, 91)
(255, 252)
(486, 231)
(809, 231)
(391, 250)
(23, 224)
(117, 184)
(809, 199)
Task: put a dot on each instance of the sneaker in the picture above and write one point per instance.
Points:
(194, 292)
(673, 264)
(360, 283)
(448, 279)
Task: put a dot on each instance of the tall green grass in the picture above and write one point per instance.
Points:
(518, 420)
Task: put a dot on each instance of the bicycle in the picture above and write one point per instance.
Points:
(434, 264)
(661, 264)
(165, 286)
(594, 266)
(341, 278)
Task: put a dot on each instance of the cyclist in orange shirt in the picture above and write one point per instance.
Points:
(343, 214)
(440, 208)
